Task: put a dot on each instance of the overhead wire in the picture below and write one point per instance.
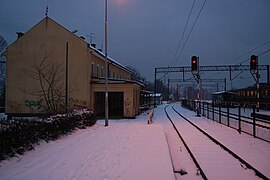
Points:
(257, 55)
(191, 31)
(175, 60)
(181, 39)
(183, 33)
(248, 52)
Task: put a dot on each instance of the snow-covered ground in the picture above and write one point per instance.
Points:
(131, 149)
(126, 149)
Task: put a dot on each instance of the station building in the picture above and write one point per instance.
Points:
(49, 69)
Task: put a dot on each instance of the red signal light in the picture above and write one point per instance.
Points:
(194, 63)
(253, 62)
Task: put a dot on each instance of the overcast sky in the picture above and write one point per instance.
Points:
(145, 33)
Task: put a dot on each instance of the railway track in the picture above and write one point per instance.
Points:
(210, 156)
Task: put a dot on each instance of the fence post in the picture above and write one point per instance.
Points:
(203, 108)
(219, 111)
(213, 115)
(200, 107)
(228, 115)
(239, 119)
(254, 122)
(208, 110)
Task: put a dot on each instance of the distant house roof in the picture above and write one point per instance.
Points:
(156, 94)
(223, 92)
(262, 86)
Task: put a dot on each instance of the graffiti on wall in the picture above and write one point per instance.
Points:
(14, 106)
(34, 105)
(127, 104)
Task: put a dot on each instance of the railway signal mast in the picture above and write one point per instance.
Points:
(196, 75)
(255, 73)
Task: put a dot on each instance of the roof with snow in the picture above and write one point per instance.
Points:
(223, 92)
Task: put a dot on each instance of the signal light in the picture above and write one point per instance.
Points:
(253, 62)
(194, 63)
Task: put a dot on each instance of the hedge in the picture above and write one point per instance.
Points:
(20, 135)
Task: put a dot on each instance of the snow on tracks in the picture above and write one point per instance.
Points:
(253, 150)
(215, 162)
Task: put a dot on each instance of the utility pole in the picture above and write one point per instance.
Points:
(168, 90)
(66, 92)
(106, 65)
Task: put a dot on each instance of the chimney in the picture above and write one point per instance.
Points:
(19, 34)
(93, 45)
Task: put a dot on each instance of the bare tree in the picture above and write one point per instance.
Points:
(136, 75)
(3, 44)
(49, 76)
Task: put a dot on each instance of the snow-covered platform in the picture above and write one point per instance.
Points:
(119, 151)
(131, 149)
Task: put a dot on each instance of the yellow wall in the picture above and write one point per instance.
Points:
(115, 71)
(50, 42)
(131, 96)
(46, 40)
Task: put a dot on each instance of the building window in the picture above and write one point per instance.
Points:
(102, 71)
(98, 70)
(113, 74)
(92, 69)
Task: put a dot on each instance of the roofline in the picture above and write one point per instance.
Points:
(116, 81)
(222, 92)
(96, 52)
(40, 22)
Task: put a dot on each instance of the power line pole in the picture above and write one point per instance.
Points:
(106, 65)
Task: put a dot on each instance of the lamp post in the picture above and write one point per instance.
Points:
(106, 65)
(66, 83)
(66, 88)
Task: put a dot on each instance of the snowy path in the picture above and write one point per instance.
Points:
(214, 161)
(120, 151)
(255, 151)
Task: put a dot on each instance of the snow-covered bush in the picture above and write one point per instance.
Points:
(19, 135)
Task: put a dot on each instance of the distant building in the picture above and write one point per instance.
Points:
(223, 98)
(248, 96)
(46, 59)
(244, 97)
